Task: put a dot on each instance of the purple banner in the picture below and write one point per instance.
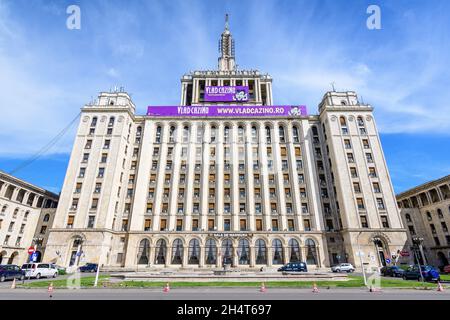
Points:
(226, 111)
(226, 93)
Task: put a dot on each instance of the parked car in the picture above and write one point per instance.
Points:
(294, 267)
(343, 267)
(88, 267)
(392, 271)
(11, 271)
(429, 273)
(38, 270)
(446, 269)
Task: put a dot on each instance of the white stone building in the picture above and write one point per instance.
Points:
(425, 211)
(21, 207)
(250, 191)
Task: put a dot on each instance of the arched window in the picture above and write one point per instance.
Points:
(254, 135)
(240, 134)
(177, 251)
(94, 122)
(439, 212)
(144, 251)
(158, 134)
(4, 208)
(360, 121)
(185, 134)
(138, 131)
(160, 252)
(343, 125)
(194, 251)
(172, 134)
(268, 135)
(227, 252)
(429, 216)
(200, 133)
(226, 134)
(261, 256)
(294, 251)
(16, 211)
(314, 131)
(281, 134)
(211, 251)
(295, 134)
(27, 213)
(244, 251)
(213, 134)
(111, 122)
(408, 217)
(46, 217)
(311, 251)
(277, 252)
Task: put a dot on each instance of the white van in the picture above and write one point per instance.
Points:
(38, 270)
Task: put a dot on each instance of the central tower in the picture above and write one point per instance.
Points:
(194, 83)
(226, 48)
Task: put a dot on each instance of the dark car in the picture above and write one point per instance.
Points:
(392, 271)
(88, 267)
(294, 267)
(11, 271)
(429, 273)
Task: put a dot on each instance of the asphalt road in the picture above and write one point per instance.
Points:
(222, 294)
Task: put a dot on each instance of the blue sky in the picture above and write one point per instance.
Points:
(48, 72)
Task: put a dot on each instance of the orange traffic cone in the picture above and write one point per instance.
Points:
(315, 289)
(263, 287)
(440, 287)
(13, 284)
(166, 288)
(50, 289)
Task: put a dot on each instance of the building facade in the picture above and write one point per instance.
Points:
(22, 206)
(425, 211)
(245, 187)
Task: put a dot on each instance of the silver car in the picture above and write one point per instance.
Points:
(343, 267)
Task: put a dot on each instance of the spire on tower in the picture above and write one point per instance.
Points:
(226, 49)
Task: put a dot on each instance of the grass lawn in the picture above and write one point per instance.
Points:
(353, 282)
(62, 283)
(445, 277)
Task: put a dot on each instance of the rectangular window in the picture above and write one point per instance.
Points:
(360, 203)
(70, 221)
(104, 157)
(85, 157)
(291, 225)
(243, 224)
(163, 225)
(88, 144)
(364, 223)
(179, 224)
(274, 224)
(380, 204)
(94, 204)
(195, 225)
(147, 224)
(124, 224)
(307, 224)
(298, 152)
(384, 222)
(259, 225)
(210, 224)
(376, 187)
(91, 221)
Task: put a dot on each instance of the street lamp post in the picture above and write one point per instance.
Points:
(360, 258)
(418, 242)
